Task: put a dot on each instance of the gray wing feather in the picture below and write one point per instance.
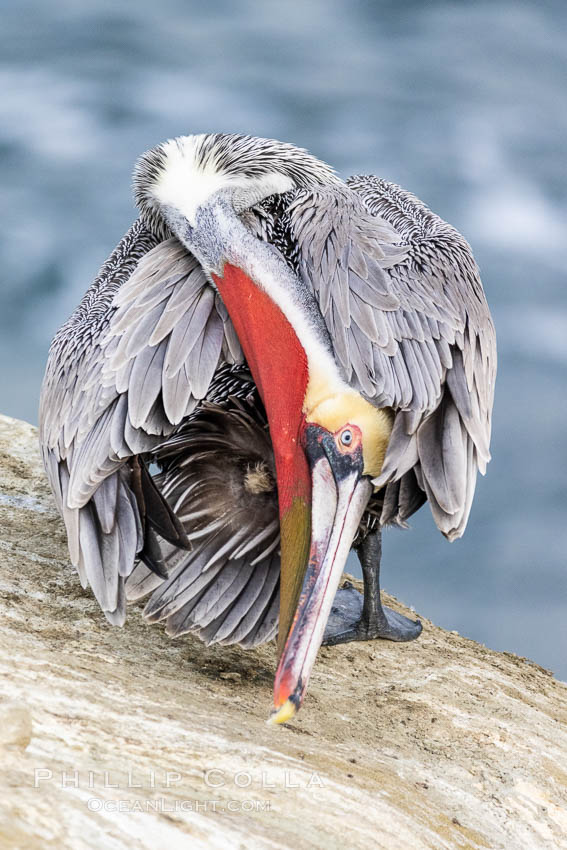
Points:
(267, 627)
(252, 606)
(221, 595)
(134, 359)
(401, 295)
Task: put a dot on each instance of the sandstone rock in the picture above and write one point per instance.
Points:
(125, 739)
(15, 725)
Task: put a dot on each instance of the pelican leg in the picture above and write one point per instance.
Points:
(354, 617)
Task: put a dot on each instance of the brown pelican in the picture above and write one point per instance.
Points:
(305, 359)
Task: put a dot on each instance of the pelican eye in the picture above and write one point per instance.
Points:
(346, 437)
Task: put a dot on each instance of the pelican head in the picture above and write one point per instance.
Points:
(345, 441)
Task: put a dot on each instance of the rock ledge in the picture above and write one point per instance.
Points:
(124, 739)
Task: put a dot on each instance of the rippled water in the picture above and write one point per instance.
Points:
(465, 104)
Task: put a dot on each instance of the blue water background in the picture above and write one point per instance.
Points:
(463, 103)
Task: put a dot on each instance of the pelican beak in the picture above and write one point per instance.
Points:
(340, 494)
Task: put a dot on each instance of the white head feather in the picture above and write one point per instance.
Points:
(184, 172)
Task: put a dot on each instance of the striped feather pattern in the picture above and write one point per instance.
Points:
(218, 476)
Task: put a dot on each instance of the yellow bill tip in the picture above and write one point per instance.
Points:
(282, 714)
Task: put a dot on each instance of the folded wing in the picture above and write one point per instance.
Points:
(130, 364)
(401, 295)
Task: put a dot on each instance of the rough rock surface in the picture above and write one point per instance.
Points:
(125, 739)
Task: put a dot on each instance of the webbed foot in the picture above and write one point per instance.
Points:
(347, 621)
